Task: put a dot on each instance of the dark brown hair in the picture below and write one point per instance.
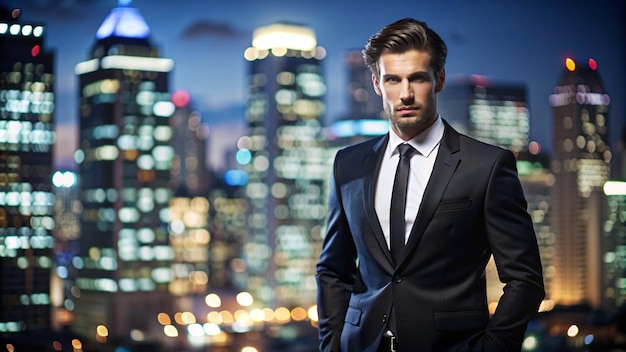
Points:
(401, 36)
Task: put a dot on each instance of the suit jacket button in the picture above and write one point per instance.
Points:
(397, 279)
(384, 318)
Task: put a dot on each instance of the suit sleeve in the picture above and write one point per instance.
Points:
(335, 270)
(514, 246)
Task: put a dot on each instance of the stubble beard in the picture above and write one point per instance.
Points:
(414, 123)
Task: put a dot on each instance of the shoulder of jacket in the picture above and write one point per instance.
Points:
(364, 147)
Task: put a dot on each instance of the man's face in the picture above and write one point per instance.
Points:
(409, 90)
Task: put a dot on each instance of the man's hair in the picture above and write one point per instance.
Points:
(404, 35)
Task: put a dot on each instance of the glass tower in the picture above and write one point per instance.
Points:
(581, 166)
(613, 247)
(26, 195)
(288, 164)
(124, 160)
(189, 207)
(495, 113)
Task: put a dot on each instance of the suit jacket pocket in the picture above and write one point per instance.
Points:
(353, 316)
(467, 320)
(455, 205)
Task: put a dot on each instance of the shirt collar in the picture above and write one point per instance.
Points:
(425, 142)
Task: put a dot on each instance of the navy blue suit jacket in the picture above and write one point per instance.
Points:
(473, 207)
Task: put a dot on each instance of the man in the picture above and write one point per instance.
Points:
(413, 279)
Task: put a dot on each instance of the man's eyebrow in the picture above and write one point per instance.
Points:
(411, 75)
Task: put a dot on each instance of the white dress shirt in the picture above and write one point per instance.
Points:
(426, 144)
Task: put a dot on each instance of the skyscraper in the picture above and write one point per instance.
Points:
(124, 159)
(26, 196)
(288, 166)
(364, 102)
(581, 166)
(189, 207)
(189, 171)
(492, 112)
(537, 182)
(612, 275)
(67, 210)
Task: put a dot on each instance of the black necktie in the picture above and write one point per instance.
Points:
(398, 202)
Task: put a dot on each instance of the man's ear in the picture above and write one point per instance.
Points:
(441, 81)
(376, 84)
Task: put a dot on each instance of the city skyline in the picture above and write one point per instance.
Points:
(131, 225)
(525, 43)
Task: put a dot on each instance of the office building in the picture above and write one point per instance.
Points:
(363, 100)
(229, 211)
(287, 166)
(613, 247)
(67, 210)
(495, 113)
(580, 166)
(189, 174)
(189, 219)
(124, 157)
(26, 196)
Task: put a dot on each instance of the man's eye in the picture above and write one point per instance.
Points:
(392, 79)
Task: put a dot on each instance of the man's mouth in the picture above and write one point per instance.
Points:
(407, 110)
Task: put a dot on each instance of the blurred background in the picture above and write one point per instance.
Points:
(164, 165)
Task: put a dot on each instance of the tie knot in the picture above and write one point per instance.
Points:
(405, 149)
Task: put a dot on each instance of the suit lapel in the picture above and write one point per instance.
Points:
(372, 163)
(444, 167)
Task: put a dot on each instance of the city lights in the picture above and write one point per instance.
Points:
(570, 64)
(613, 188)
(245, 299)
(284, 36)
(573, 331)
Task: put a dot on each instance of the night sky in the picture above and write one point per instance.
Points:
(523, 41)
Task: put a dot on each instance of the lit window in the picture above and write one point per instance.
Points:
(128, 215)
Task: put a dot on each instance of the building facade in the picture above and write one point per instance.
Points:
(124, 157)
(580, 166)
(613, 247)
(495, 113)
(288, 165)
(26, 196)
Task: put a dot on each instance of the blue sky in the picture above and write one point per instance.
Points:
(524, 41)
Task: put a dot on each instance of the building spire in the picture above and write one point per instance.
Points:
(124, 21)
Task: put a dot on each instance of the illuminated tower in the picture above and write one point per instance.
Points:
(364, 102)
(189, 208)
(288, 164)
(580, 166)
(613, 247)
(537, 182)
(26, 196)
(67, 210)
(124, 159)
(189, 172)
(494, 113)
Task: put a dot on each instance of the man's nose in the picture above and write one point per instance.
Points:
(406, 94)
